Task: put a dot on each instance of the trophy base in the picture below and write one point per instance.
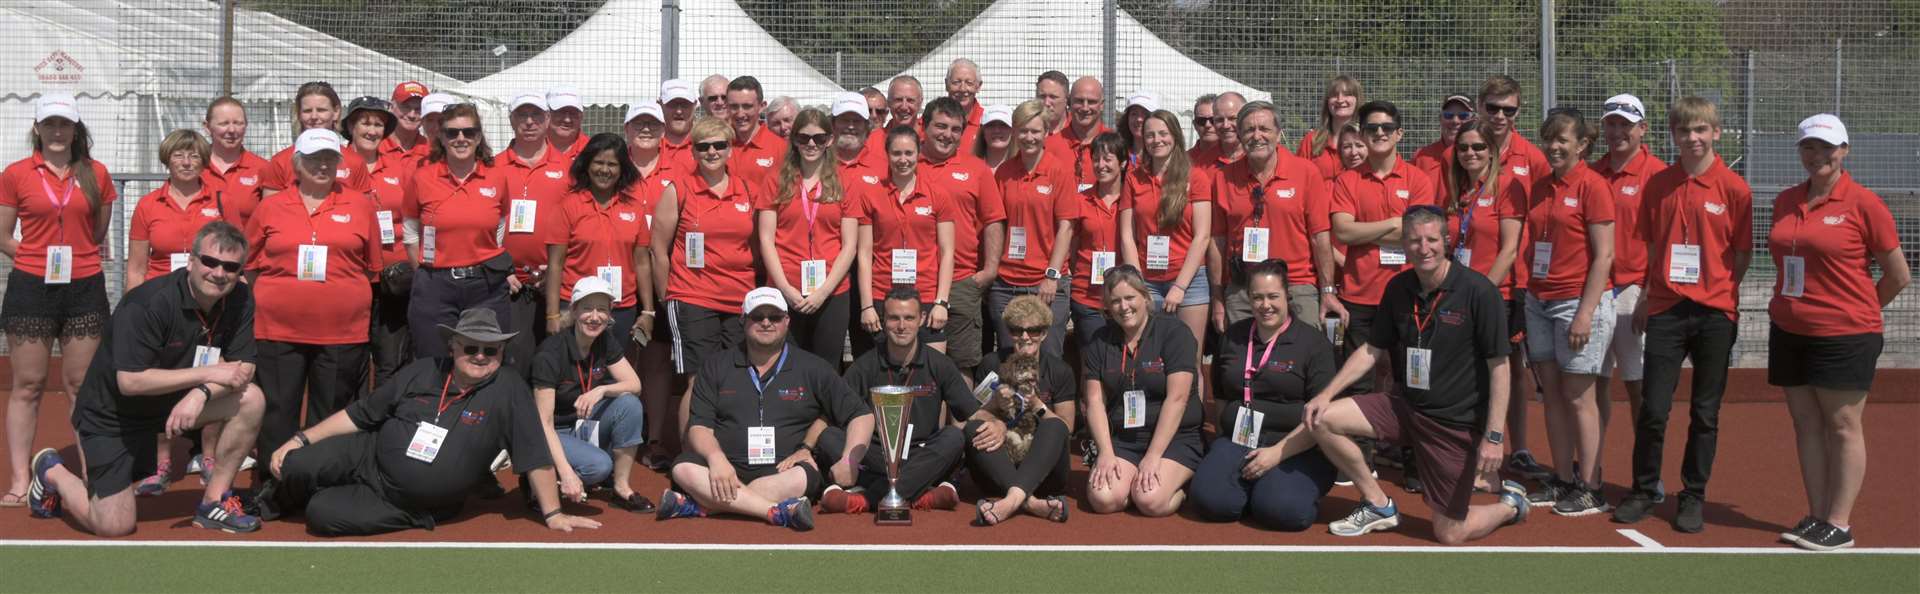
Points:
(893, 517)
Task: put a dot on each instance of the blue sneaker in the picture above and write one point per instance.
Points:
(674, 505)
(43, 500)
(795, 513)
(226, 515)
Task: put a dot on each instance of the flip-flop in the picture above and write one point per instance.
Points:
(13, 500)
(983, 515)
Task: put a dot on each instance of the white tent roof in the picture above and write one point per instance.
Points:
(1013, 41)
(614, 57)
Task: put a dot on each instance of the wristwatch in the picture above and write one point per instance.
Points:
(1053, 274)
(1496, 437)
(1329, 290)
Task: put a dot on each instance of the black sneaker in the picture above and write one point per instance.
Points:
(1523, 464)
(1412, 481)
(1549, 493)
(1634, 508)
(1799, 530)
(1691, 518)
(1579, 501)
(1825, 537)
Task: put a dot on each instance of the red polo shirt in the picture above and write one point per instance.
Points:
(1434, 160)
(966, 184)
(332, 311)
(1328, 161)
(25, 186)
(168, 228)
(1713, 211)
(911, 222)
(1838, 238)
(543, 180)
(1203, 156)
(463, 213)
(1099, 231)
(598, 235)
(679, 156)
(972, 132)
(1140, 192)
(421, 148)
(1076, 147)
(279, 175)
(650, 187)
(1036, 202)
(807, 229)
(1483, 210)
(567, 153)
(1523, 161)
(387, 188)
(238, 189)
(1629, 256)
(727, 222)
(1560, 217)
(1371, 197)
(758, 159)
(1296, 201)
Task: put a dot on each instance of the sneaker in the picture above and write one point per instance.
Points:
(203, 466)
(1515, 497)
(1366, 518)
(1550, 492)
(1660, 491)
(1826, 537)
(1412, 483)
(1089, 453)
(1799, 530)
(674, 505)
(43, 500)
(795, 513)
(226, 515)
(247, 463)
(1579, 501)
(942, 497)
(836, 500)
(1523, 464)
(1691, 518)
(500, 462)
(153, 485)
(1634, 508)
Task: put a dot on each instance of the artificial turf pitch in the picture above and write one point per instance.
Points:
(380, 569)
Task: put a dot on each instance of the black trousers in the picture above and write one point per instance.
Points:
(438, 298)
(304, 379)
(337, 484)
(1042, 474)
(530, 322)
(388, 338)
(824, 332)
(1706, 335)
(928, 463)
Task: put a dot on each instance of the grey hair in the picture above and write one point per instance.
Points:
(958, 62)
(224, 235)
(782, 102)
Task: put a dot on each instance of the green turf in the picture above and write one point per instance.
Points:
(467, 571)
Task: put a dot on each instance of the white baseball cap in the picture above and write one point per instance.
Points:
(589, 286)
(435, 103)
(317, 140)
(853, 103)
(645, 107)
(1826, 127)
(1147, 100)
(762, 297)
(1626, 106)
(997, 113)
(56, 105)
(678, 88)
(559, 98)
(534, 99)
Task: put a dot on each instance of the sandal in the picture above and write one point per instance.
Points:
(13, 500)
(1057, 509)
(983, 515)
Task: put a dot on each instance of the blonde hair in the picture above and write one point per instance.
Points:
(1173, 184)
(1690, 109)
(184, 139)
(710, 127)
(1328, 136)
(789, 178)
(1028, 311)
(1027, 111)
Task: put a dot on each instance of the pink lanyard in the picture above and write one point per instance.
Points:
(1250, 369)
(59, 206)
(810, 206)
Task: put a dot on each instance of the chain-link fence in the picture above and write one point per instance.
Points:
(147, 67)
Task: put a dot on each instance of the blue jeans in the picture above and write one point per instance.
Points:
(622, 425)
(1087, 322)
(1002, 293)
(1285, 498)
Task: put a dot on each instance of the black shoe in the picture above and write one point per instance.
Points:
(1550, 492)
(1634, 508)
(1826, 537)
(635, 503)
(1799, 530)
(261, 502)
(1580, 501)
(1691, 518)
(1412, 482)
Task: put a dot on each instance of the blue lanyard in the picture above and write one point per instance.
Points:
(1466, 218)
(760, 387)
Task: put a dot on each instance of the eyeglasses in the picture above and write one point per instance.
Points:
(701, 147)
(1477, 147)
(820, 139)
(1027, 330)
(474, 349)
(1458, 116)
(1380, 128)
(772, 316)
(1505, 110)
(1623, 107)
(212, 262)
(715, 99)
(452, 133)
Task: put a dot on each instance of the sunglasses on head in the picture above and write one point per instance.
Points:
(474, 349)
(820, 139)
(212, 262)
(1459, 116)
(701, 147)
(1622, 107)
(772, 316)
(1027, 330)
(452, 133)
(1506, 110)
(1380, 128)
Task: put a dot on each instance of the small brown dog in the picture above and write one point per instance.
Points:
(1017, 402)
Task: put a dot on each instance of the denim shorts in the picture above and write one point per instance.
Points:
(1547, 326)
(1198, 291)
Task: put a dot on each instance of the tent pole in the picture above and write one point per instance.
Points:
(1549, 90)
(669, 39)
(1108, 57)
(226, 47)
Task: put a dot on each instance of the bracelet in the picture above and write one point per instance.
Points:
(866, 308)
(550, 515)
(204, 391)
(646, 312)
(555, 316)
(302, 438)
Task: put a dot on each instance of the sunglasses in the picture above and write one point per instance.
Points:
(1386, 128)
(820, 139)
(1211, 121)
(701, 147)
(1477, 147)
(772, 316)
(1027, 330)
(721, 99)
(1259, 203)
(1458, 116)
(474, 349)
(1505, 110)
(452, 133)
(212, 262)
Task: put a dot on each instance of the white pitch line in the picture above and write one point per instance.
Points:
(1642, 539)
(902, 548)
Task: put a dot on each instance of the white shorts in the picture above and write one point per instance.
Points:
(1629, 349)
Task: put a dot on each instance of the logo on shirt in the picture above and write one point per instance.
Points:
(793, 394)
(1834, 220)
(741, 206)
(1155, 366)
(342, 173)
(1571, 201)
(1043, 190)
(666, 183)
(1630, 190)
(391, 181)
(871, 179)
(763, 162)
(1452, 317)
(488, 192)
(473, 417)
(209, 212)
(1287, 193)
(248, 181)
(1281, 366)
(627, 216)
(1520, 170)
(554, 174)
(960, 175)
(1402, 194)
(1486, 201)
(925, 211)
(342, 218)
(1715, 207)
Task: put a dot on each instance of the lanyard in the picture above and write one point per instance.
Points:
(207, 327)
(1420, 321)
(580, 373)
(59, 206)
(1466, 217)
(312, 228)
(760, 386)
(1553, 210)
(1130, 355)
(810, 206)
(607, 215)
(908, 366)
(443, 398)
(903, 230)
(1251, 368)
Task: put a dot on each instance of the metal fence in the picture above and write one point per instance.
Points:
(1766, 63)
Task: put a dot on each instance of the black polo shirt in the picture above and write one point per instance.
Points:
(933, 377)
(725, 400)
(1057, 382)
(1466, 325)
(157, 326)
(1300, 365)
(1166, 348)
(494, 415)
(560, 365)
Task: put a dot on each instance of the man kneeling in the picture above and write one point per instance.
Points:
(408, 456)
(178, 355)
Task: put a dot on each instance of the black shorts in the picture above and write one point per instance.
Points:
(1831, 362)
(36, 311)
(815, 481)
(1517, 319)
(698, 332)
(1186, 449)
(115, 462)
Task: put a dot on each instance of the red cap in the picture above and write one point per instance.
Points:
(408, 90)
